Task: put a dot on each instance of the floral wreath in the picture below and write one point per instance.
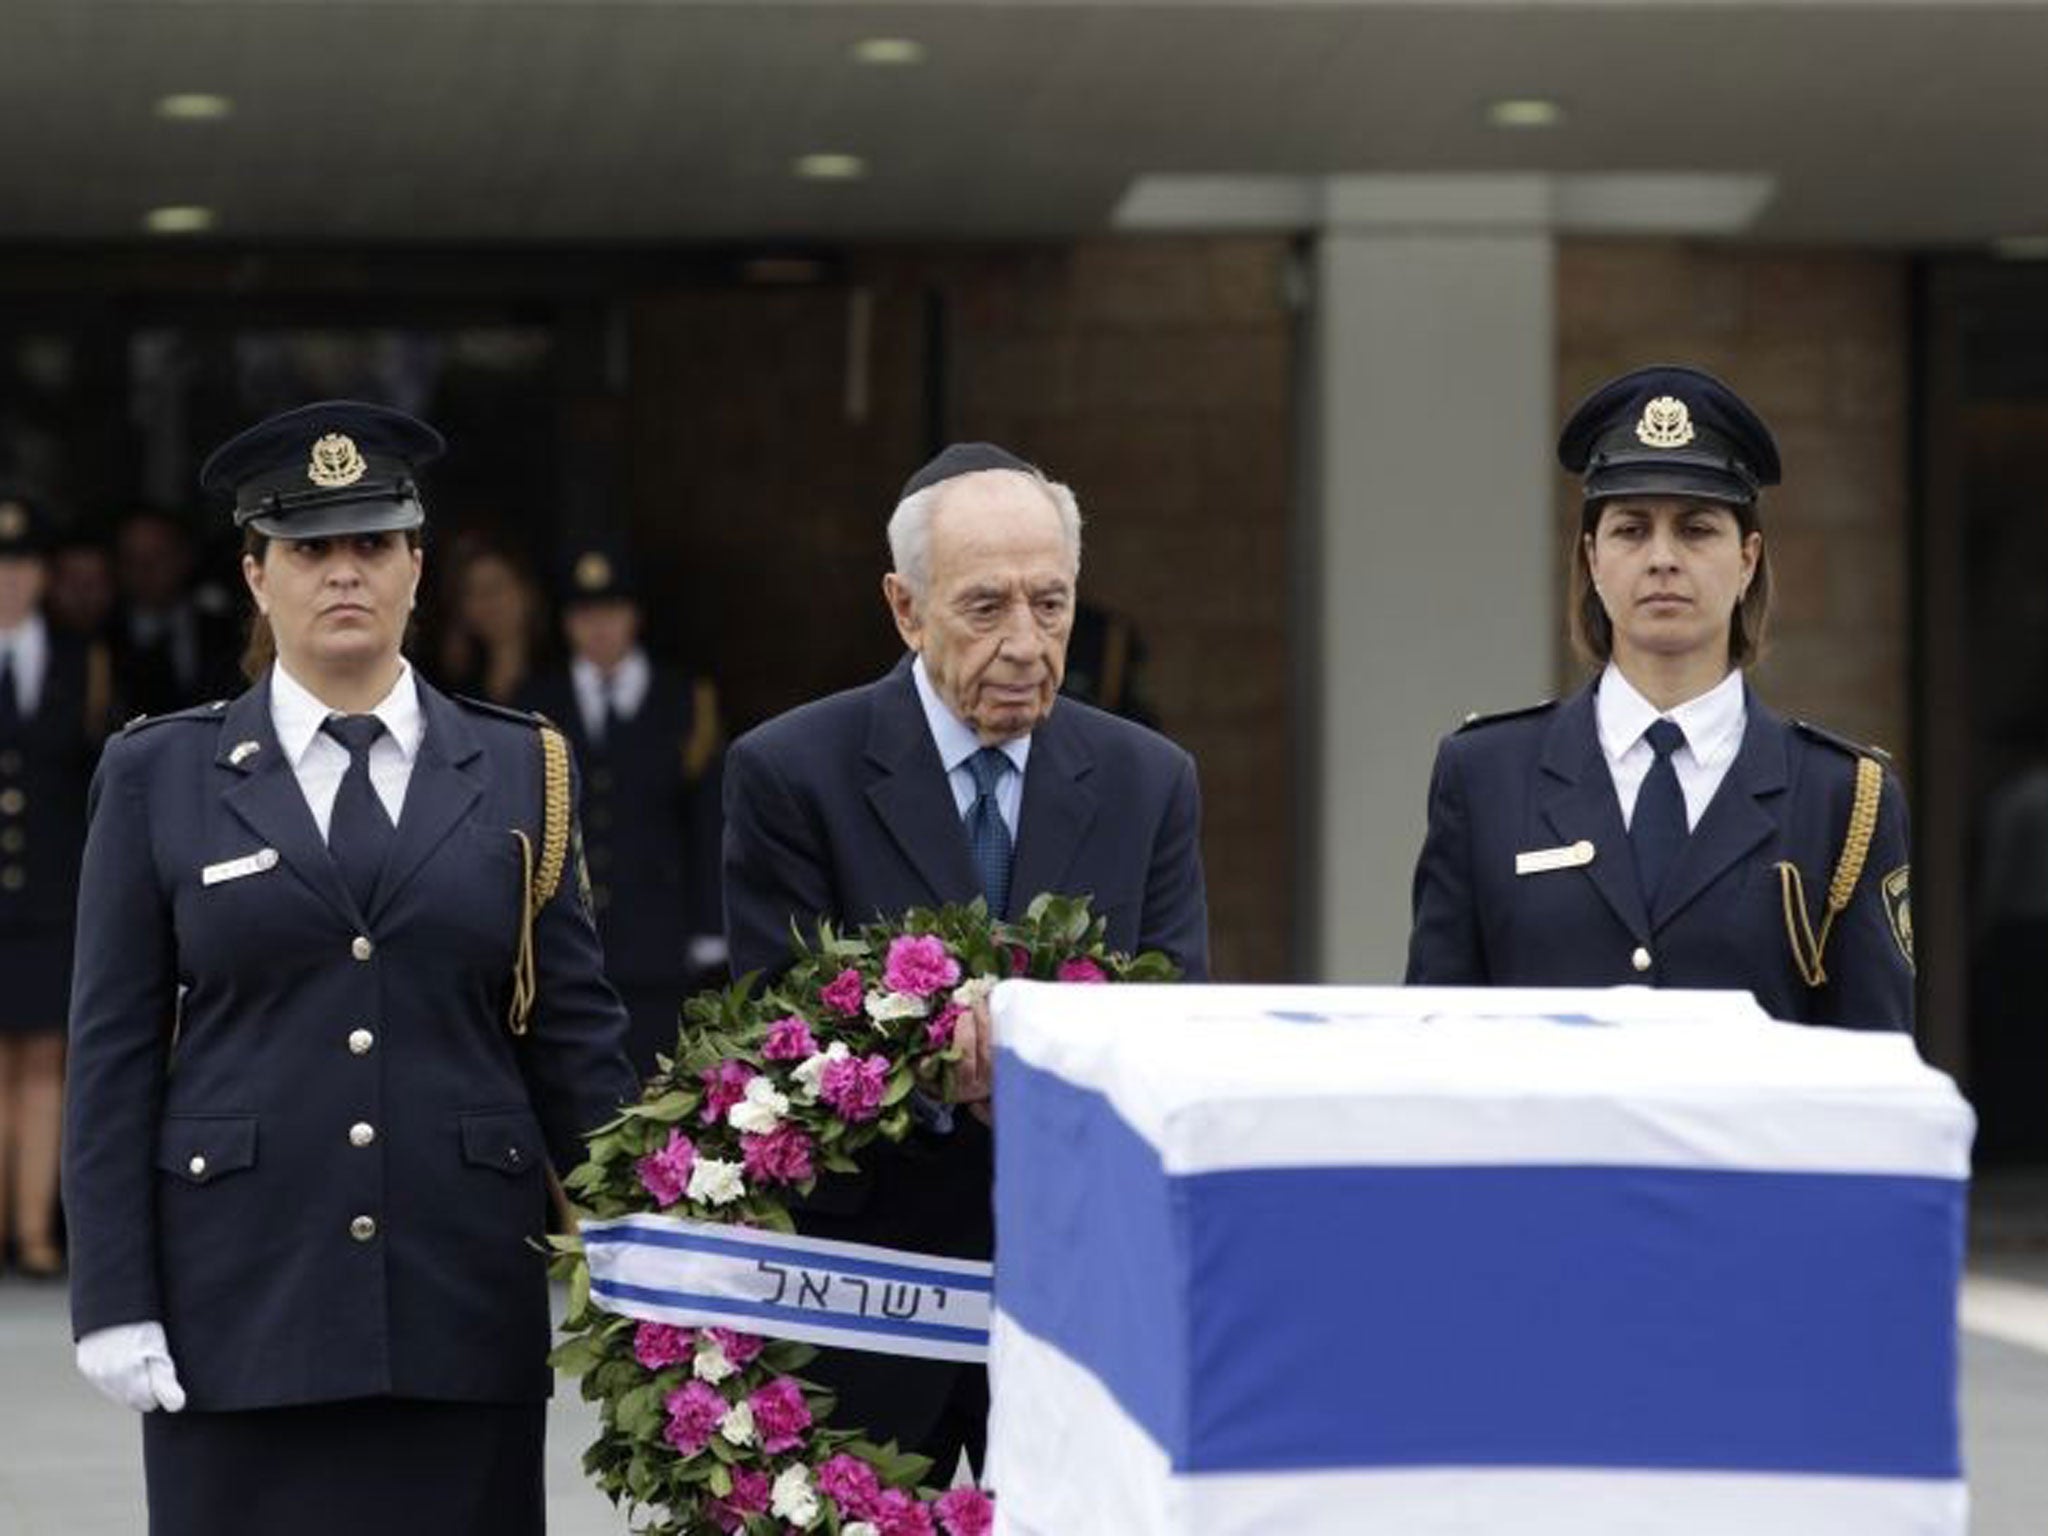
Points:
(710, 1428)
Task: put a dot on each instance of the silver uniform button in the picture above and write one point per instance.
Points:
(1640, 959)
(197, 1166)
(362, 1229)
(361, 1134)
(360, 1041)
(361, 947)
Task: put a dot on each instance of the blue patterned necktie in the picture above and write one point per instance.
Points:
(1658, 829)
(359, 833)
(988, 836)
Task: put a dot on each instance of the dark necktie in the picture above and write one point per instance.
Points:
(10, 704)
(359, 833)
(988, 835)
(1658, 830)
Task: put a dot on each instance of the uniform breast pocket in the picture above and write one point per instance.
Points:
(470, 896)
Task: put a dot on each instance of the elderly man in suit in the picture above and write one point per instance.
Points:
(955, 776)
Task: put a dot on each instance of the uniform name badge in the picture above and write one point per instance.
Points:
(234, 869)
(1538, 861)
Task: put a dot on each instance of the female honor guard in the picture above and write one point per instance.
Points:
(1661, 826)
(334, 1008)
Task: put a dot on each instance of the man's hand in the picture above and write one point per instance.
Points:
(132, 1365)
(974, 1073)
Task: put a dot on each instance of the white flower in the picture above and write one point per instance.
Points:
(714, 1181)
(711, 1364)
(738, 1425)
(968, 993)
(761, 1110)
(793, 1499)
(860, 1528)
(886, 1007)
(806, 1075)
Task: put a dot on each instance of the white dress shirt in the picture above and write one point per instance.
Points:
(1713, 724)
(626, 689)
(957, 742)
(319, 761)
(27, 648)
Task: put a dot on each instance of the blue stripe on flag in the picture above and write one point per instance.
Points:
(1531, 1315)
(794, 1254)
(727, 1306)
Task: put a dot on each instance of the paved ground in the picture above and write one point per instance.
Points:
(70, 1463)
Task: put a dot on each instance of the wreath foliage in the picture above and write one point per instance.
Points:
(773, 1085)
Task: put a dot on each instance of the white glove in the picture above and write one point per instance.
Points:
(132, 1365)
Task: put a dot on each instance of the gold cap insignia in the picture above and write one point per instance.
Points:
(13, 520)
(593, 573)
(336, 462)
(1666, 423)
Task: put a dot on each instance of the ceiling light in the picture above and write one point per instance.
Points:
(194, 107)
(888, 51)
(1524, 112)
(178, 219)
(830, 167)
(2021, 247)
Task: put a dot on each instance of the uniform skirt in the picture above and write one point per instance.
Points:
(35, 959)
(378, 1465)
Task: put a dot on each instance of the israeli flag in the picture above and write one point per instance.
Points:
(667, 1269)
(1451, 1263)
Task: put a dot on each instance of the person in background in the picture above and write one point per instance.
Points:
(652, 747)
(1662, 826)
(1106, 665)
(54, 708)
(496, 632)
(326, 1033)
(80, 596)
(174, 644)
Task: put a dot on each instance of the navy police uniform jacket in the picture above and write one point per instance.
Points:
(840, 809)
(302, 1135)
(1537, 780)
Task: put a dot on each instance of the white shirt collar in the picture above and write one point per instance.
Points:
(1712, 722)
(626, 687)
(296, 715)
(953, 736)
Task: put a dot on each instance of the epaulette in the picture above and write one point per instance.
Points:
(1841, 743)
(196, 712)
(531, 718)
(1475, 720)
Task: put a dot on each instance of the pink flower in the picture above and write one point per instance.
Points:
(724, 1086)
(780, 1415)
(854, 1085)
(1020, 960)
(694, 1411)
(739, 1348)
(966, 1512)
(658, 1344)
(899, 1514)
(851, 1484)
(918, 964)
(783, 1156)
(1081, 968)
(939, 1033)
(845, 993)
(789, 1039)
(749, 1496)
(666, 1174)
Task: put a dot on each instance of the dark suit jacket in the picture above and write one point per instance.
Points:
(840, 809)
(211, 1178)
(1538, 780)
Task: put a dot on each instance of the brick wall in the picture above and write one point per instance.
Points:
(1818, 342)
(1154, 376)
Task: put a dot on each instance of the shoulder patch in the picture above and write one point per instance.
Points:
(531, 718)
(196, 712)
(1474, 721)
(1841, 743)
